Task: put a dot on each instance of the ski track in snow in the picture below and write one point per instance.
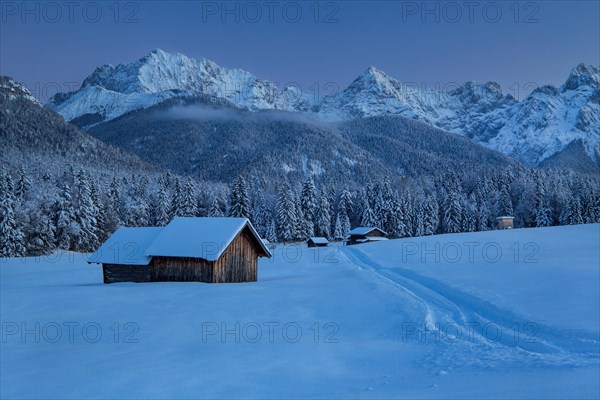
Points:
(446, 307)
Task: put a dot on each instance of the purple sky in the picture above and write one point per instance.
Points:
(51, 45)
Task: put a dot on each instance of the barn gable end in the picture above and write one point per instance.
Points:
(239, 261)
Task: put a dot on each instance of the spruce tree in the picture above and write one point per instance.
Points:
(394, 220)
(287, 220)
(590, 204)
(543, 216)
(305, 227)
(469, 218)
(431, 217)
(308, 200)
(262, 215)
(114, 207)
(271, 234)
(12, 243)
(85, 215)
(323, 217)
(176, 204)
(215, 209)
(239, 200)
(189, 203)
(160, 208)
(138, 211)
(342, 225)
(65, 220)
(23, 185)
(406, 217)
(571, 214)
(419, 222)
(346, 202)
(41, 233)
(452, 220)
(505, 206)
(102, 228)
(367, 217)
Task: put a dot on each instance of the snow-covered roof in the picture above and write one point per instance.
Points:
(363, 230)
(319, 240)
(205, 238)
(505, 216)
(126, 246)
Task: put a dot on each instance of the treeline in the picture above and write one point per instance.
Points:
(77, 211)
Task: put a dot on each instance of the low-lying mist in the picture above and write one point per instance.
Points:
(205, 113)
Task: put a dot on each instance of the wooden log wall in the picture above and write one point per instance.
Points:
(183, 269)
(125, 273)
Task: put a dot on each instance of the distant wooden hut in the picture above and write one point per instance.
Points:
(317, 242)
(214, 250)
(365, 234)
(505, 222)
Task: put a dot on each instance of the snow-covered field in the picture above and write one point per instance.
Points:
(503, 314)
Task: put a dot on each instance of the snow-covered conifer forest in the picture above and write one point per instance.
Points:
(77, 210)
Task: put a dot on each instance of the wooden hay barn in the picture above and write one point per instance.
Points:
(213, 250)
(365, 234)
(317, 242)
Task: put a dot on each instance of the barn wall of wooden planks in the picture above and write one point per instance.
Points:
(112, 273)
(239, 262)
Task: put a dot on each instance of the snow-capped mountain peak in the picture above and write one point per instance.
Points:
(376, 80)
(111, 91)
(372, 74)
(155, 72)
(583, 75)
(474, 92)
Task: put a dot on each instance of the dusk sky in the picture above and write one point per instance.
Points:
(57, 44)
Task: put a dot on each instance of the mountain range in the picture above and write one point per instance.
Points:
(535, 130)
(214, 141)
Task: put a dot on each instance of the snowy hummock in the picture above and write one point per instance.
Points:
(205, 238)
(127, 246)
(378, 321)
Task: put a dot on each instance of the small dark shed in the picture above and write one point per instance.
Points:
(505, 222)
(214, 250)
(365, 234)
(317, 242)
